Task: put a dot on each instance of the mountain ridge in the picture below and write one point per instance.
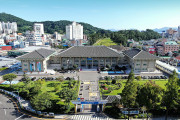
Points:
(49, 26)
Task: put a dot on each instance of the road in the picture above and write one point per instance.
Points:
(9, 111)
(89, 89)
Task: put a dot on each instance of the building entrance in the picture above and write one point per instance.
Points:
(96, 106)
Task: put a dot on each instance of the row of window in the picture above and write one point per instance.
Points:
(64, 61)
(140, 64)
(140, 69)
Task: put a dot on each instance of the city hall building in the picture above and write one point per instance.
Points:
(87, 57)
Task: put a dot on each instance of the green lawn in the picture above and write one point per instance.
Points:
(4, 68)
(105, 42)
(47, 86)
(161, 83)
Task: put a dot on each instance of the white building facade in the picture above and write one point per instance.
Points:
(36, 37)
(179, 31)
(74, 31)
(8, 27)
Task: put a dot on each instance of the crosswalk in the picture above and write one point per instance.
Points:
(88, 117)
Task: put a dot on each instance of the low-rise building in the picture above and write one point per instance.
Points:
(166, 47)
(140, 60)
(88, 57)
(36, 61)
(170, 46)
(150, 49)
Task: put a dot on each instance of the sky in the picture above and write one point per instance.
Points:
(106, 14)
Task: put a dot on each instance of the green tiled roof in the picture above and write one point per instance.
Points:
(90, 51)
(170, 43)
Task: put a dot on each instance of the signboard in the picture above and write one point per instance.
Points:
(78, 99)
(130, 112)
(82, 99)
(90, 102)
(89, 58)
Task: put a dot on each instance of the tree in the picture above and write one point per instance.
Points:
(26, 79)
(171, 97)
(108, 79)
(129, 92)
(36, 88)
(9, 77)
(67, 94)
(110, 89)
(130, 77)
(150, 95)
(41, 101)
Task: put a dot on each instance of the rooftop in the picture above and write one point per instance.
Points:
(32, 48)
(89, 51)
(37, 54)
(170, 43)
(139, 54)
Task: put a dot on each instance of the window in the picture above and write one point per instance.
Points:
(25, 64)
(107, 60)
(76, 60)
(102, 60)
(137, 64)
(144, 64)
(25, 69)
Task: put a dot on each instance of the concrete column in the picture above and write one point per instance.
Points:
(42, 68)
(86, 63)
(141, 65)
(116, 61)
(98, 62)
(82, 108)
(28, 66)
(79, 62)
(60, 62)
(103, 107)
(92, 62)
(148, 66)
(104, 62)
(73, 61)
(36, 66)
(111, 61)
(97, 108)
(75, 108)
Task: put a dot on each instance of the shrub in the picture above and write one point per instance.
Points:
(62, 68)
(138, 78)
(75, 66)
(108, 66)
(113, 81)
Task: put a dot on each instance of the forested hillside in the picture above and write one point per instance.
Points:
(49, 26)
(93, 33)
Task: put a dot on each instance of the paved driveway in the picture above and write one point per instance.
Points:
(89, 89)
(9, 112)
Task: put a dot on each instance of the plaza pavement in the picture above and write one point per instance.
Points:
(89, 88)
